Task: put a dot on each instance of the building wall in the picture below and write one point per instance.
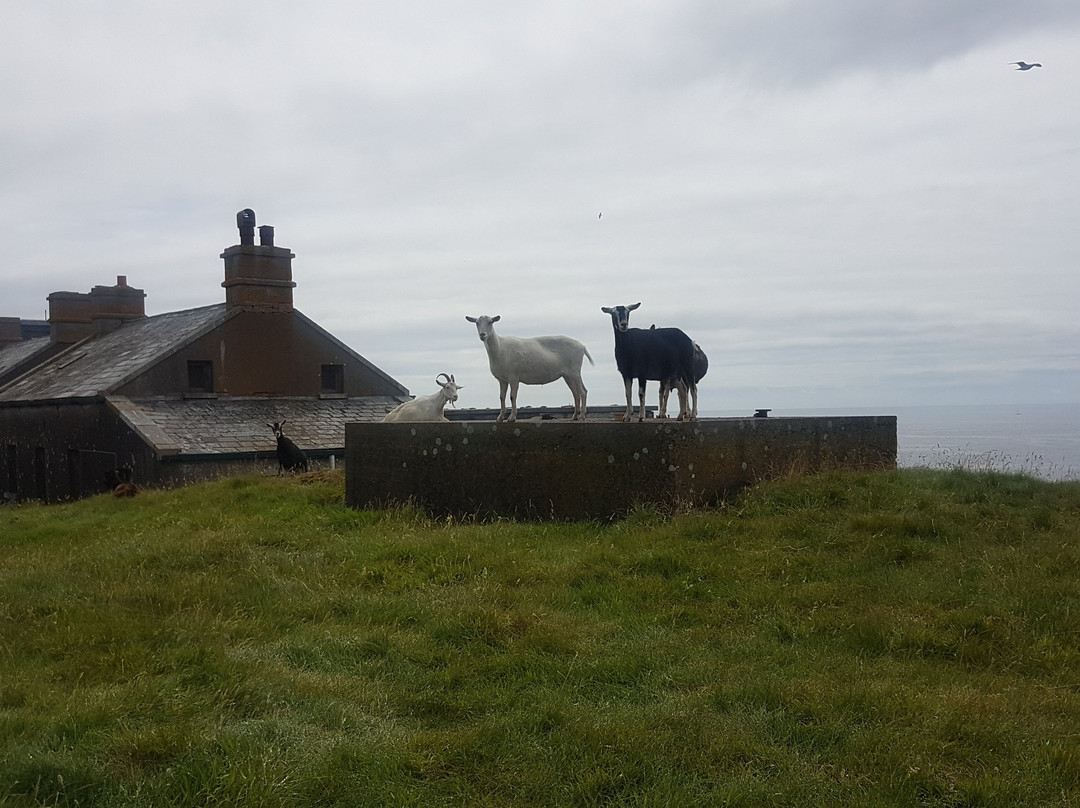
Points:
(263, 353)
(566, 470)
(58, 451)
(62, 451)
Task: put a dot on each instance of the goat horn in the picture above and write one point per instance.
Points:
(448, 378)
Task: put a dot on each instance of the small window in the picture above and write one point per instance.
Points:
(200, 375)
(333, 378)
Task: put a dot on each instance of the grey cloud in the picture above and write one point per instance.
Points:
(794, 184)
(794, 43)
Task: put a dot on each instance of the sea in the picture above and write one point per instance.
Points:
(1041, 441)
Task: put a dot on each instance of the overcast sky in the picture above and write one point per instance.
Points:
(847, 204)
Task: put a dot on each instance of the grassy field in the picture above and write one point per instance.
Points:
(905, 638)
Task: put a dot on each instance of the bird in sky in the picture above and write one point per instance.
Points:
(1025, 65)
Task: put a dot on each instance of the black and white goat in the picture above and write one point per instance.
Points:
(532, 360)
(427, 408)
(290, 457)
(656, 354)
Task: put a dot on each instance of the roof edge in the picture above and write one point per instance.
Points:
(172, 349)
(96, 398)
(371, 365)
(136, 420)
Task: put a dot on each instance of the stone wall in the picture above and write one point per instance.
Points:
(568, 470)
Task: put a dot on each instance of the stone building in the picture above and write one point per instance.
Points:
(179, 396)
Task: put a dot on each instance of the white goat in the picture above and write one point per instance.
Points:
(533, 360)
(427, 408)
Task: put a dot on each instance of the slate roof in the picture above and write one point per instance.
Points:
(16, 353)
(97, 365)
(229, 425)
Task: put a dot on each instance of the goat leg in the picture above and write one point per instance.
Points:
(502, 401)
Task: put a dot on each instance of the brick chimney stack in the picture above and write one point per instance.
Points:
(74, 316)
(10, 330)
(258, 277)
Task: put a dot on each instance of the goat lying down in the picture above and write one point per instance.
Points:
(427, 408)
(118, 481)
(657, 354)
(532, 360)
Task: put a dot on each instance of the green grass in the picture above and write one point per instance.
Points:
(903, 638)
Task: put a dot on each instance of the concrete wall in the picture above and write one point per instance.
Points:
(567, 470)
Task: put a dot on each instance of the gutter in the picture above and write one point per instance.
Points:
(217, 457)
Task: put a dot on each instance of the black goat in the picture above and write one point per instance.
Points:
(118, 481)
(701, 367)
(290, 457)
(656, 354)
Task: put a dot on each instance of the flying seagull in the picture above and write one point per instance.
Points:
(1024, 65)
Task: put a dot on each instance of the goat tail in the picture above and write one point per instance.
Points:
(589, 357)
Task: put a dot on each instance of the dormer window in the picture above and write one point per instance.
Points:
(200, 374)
(333, 380)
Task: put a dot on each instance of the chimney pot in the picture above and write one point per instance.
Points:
(266, 235)
(121, 280)
(245, 220)
(10, 330)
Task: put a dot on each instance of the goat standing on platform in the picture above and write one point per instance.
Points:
(658, 354)
(533, 360)
(290, 457)
(427, 408)
(701, 367)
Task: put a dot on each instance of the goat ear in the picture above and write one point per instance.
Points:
(496, 318)
(605, 309)
(470, 319)
(631, 308)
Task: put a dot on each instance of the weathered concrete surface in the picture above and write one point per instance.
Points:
(568, 470)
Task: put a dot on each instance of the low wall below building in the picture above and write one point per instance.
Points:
(568, 470)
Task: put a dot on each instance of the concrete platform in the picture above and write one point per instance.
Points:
(596, 470)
